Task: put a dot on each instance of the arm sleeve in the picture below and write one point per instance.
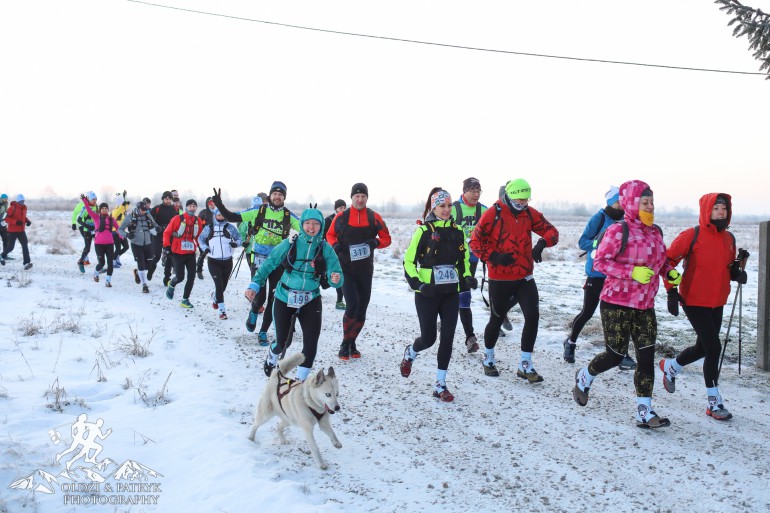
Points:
(546, 230)
(333, 266)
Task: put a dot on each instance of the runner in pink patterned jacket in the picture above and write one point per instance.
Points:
(627, 299)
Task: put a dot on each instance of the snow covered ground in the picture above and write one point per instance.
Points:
(180, 415)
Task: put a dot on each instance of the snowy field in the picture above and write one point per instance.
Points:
(179, 415)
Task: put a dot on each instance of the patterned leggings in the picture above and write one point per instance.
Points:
(620, 324)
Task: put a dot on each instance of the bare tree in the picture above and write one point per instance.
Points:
(754, 24)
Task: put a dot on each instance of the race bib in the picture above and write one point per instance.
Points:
(188, 245)
(359, 252)
(259, 260)
(445, 275)
(298, 298)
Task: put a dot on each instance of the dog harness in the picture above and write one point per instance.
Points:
(290, 384)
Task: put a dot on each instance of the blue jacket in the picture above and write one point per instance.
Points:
(596, 225)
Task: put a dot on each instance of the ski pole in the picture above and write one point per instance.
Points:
(740, 325)
(729, 325)
(743, 256)
(237, 265)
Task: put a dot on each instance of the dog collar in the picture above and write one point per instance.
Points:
(317, 415)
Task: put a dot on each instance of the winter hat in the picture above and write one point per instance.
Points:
(439, 198)
(339, 203)
(720, 201)
(3, 196)
(471, 183)
(166, 194)
(103, 205)
(19, 198)
(91, 195)
(191, 202)
(518, 189)
(647, 192)
(256, 201)
(278, 187)
(359, 188)
(142, 205)
(612, 195)
(147, 202)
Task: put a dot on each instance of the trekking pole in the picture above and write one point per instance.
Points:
(743, 255)
(237, 265)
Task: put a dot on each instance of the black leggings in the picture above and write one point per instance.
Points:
(273, 281)
(87, 238)
(105, 251)
(357, 290)
(220, 272)
(445, 307)
(706, 322)
(121, 245)
(309, 317)
(184, 263)
(592, 289)
(22, 238)
(503, 295)
(143, 256)
(622, 324)
(466, 316)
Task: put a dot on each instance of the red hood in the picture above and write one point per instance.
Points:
(707, 204)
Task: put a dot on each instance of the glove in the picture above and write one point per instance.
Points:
(19, 223)
(126, 203)
(82, 196)
(642, 274)
(233, 244)
(742, 254)
(427, 290)
(130, 235)
(74, 227)
(217, 197)
(736, 274)
(245, 244)
(501, 258)
(29, 223)
(471, 282)
(342, 255)
(537, 251)
(372, 243)
(673, 302)
(674, 278)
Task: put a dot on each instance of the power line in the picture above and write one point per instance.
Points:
(446, 45)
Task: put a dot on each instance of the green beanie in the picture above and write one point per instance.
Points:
(518, 189)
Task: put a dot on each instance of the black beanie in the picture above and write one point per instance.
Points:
(279, 187)
(339, 203)
(359, 188)
(103, 205)
(191, 202)
(471, 183)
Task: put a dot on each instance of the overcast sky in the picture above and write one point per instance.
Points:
(101, 94)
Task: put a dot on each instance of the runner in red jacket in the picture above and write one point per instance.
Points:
(17, 221)
(503, 239)
(180, 240)
(710, 263)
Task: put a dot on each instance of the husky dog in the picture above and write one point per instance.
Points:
(299, 404)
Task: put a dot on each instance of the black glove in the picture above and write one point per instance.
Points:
(673, 302)
(742, 254)
(427, 290)
(537, 251)
(372, 243)
(74, 227)
(245, 244)
(342, 255)
(501, 258)
(737, 274)
(233, 244)
(126, 203)
(29, 223)
(471, 282)
(130, 235)
(82, 196)
(217, 197)
(19, 223)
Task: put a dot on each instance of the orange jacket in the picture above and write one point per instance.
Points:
(182, 239)
(706, 277)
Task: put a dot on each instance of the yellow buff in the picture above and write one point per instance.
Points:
(646, 217)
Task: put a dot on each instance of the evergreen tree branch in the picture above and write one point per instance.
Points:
(755, 25)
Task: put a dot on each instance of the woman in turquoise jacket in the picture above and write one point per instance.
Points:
(309, 263)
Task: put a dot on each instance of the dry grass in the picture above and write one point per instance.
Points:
(131, 345)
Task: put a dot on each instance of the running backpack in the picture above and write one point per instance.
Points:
(319, 262)
(459, 211)
(285, 222)
(343, 221)
(696, 229)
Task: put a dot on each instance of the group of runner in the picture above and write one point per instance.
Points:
(625, 249)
